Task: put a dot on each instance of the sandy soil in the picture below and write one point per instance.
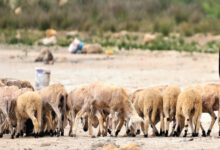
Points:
(132, 70)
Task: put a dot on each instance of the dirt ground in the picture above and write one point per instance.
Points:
(130, 69)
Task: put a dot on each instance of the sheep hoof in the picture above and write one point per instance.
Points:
(12, 136)
(62, 133)
(208, 133)
(22, 133)
(133, 135)
(219, 133)
(162, 133)
(93, 136)
(203, 133)
(6, 131)
(138, 131)
(185, 134)
(58, 134)
(73, 135)
(85, 129)
(116, 133)
(51, 133)
(36, 135)
(41, 134)
(109, 131)
(17, 135)
(166, 133)
(145, 135)
(1, 135)
(157, 134)
(196, 134)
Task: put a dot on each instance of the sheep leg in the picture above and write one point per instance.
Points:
(142, 127)
(76, 122)
(4, 113)
(152, 122)
(211, 112)
(166, 112)
(11, 128)
(22, 127)
(59, 118)
(186, 125)
(162, 123)
(90, 127)
(119, 126)
(18, 129)
(219, 117)
(49, 124)
(191, 126)
(147, 120)
(1, 129)
(177, 130)
(35, 123)
(173, 127)
(197, 122)
(203, 130)
(114, 120)
(71, 122)
(101, 125)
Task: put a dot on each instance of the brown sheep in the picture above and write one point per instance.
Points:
(56, 96)
(19, 83)
(29, 105)
(92, 49)
(75, 102)
(47, 124)
(102, 97)
(170, 96)
(189, 107)
(8, 96)
(148, 102)
(45, 56)
(210, 103)
(161, 89)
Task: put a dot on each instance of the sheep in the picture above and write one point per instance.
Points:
(111, 99)
(48, 117)
(92, 49)
(148, 102)
(170, 96)
(188, 108)
(56, 96)
(19, 83)
(8, 96)
(29, 105)
(45, 56)
(210, 103)
(75, 102)
(160, 89)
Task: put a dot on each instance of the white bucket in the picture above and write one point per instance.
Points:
(42, 78)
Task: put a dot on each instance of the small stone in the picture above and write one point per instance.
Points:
(45, 144)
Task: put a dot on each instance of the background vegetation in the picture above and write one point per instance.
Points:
(186, 16)
(98, 17)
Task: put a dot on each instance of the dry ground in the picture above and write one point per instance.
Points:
(130, 69)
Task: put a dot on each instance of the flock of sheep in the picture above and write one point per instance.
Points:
(108, 107)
